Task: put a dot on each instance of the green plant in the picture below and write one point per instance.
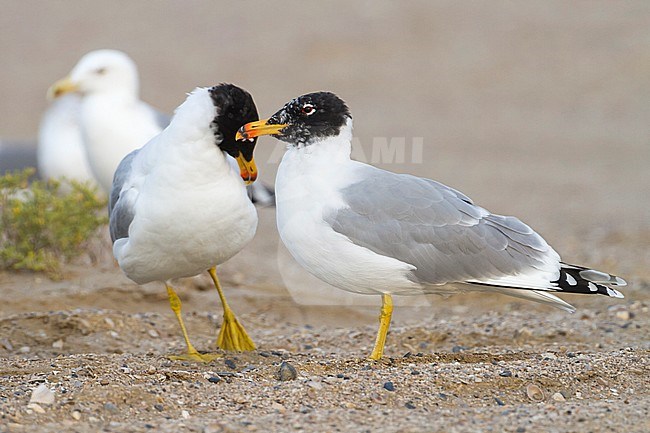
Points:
(44, 224)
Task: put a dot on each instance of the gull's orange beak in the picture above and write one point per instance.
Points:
(255, 129)
(247, 169)
(61, 87)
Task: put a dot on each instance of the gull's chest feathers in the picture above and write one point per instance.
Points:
(308, 187)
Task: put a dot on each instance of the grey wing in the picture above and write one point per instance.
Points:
(442, 233)
(120, 208)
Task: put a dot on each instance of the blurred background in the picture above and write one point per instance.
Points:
(534, 109)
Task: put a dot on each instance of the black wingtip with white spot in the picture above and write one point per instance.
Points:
(576, 279)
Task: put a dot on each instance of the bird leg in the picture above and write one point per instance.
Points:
(384, 323)
(232, 335)
(192, 354)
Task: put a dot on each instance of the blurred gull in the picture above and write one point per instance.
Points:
(371, 231)
(112, 119)
(178, 207)
(60, 151)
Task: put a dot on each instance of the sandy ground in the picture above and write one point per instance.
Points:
(535, 109)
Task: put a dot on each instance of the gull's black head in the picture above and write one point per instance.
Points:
(304, 120)
(235, 107)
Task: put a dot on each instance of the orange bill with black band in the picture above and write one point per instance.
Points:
(258, 128)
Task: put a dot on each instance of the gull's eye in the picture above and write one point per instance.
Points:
(308, 109)
(100, 71)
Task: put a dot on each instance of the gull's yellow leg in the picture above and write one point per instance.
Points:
(384, 323)
(232, 336)
(192, 353)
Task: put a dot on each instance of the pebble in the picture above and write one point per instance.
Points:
(58, 344)
(25, 349)
(230, 364)
(159, 407)
(76, 415)
(36, 407)
(42, 394)
(506, 373)
(287, 372)
(623, 315)
(185, 414)
(409, 405)
(109, 322)
(499, 401)
(388, 386)
(110, 407)
(214, 379)
(153, 333)
(534, 392)
(558, 397)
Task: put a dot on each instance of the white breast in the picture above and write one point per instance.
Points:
(307, 187)
(192, 212)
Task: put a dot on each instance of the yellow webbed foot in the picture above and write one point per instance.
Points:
(233, 336)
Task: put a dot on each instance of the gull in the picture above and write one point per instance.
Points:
(372, 231)
(60, 149)
(178, 207)
(111, 117)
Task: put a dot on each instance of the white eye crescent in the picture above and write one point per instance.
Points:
(308, 109)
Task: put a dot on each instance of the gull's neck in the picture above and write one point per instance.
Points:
(335, 149)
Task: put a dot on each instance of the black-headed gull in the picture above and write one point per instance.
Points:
(178, 207)
(371, 231)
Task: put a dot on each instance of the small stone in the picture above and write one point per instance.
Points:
(230, 364)
(113, 334)
(104, 382)
(458, 349)
(499, 401)
(534, 392)
(76, 415)
(109, 322)
(159, 407)
(409, 405)
(558, 397)
(287, 372)
(25, 349)
(153, 333)
(58, 344)
(521, 430)
(185, 414)
(42, 394)
(110, 407)
(623, 315)
(601, 381)
(388, 386)
(36, 407)
(550, 356)
(214, 379)
(278, 407)
(315, 385)
(506, 373)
